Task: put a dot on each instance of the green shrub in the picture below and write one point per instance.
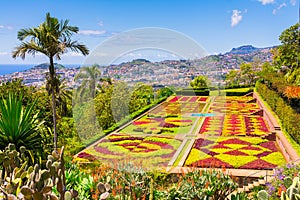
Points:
(288, 116)
(193, 92)
(237, 93)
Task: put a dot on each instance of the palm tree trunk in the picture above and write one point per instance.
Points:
(53, 90)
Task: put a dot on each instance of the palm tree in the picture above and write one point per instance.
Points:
(88, 76)
(51, 38)
(19, 125)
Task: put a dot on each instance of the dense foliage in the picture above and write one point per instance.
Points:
(288, 116)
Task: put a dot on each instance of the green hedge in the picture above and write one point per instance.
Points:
(228, 93)
(192, 92)
(238, 86)
(288, 116)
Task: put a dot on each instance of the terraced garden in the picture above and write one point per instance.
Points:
(193, 131)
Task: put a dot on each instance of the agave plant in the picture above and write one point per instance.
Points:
(19, 124)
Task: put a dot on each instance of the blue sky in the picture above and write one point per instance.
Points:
(217, 25)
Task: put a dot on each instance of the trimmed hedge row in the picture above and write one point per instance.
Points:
(192, 92)
(239, 93)
(288, 116)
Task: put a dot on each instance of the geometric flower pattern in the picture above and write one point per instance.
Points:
(236, 152)
(234, 137)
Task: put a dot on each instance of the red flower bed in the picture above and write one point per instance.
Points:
(174, 99)
(270, 145)
(258, 164)
(265, 153)
(208, 152)
(86, 156)
(184, 98)
(211, 162)
(236, 153)
(235, 141)
(165, 146)
(129, 144)
(138, 123)
(201, 143)
(182, 120)
(193, 99)
(105, 151)
(220, 146)
(251, 148)
(170, 155)
(122, 139)
(168, 125)
(202, 98)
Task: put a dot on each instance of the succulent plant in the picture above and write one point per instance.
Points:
(104, 190)
(287, 182)
(262, 195)
(293, 192)
(20, 181)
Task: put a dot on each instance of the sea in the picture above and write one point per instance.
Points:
(11, 68)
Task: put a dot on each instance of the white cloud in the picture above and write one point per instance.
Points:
(91, 32)
(293, 2)
(100, 23)
(279, 7)
(265, 2)
(4, 53)
(236, 17)
(6, 27)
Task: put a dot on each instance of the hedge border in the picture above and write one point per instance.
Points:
(288, 116)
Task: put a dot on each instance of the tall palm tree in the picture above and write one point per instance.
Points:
(51, 38)
(88, 76)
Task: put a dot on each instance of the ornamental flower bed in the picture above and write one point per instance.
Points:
(212, 125)
(235, 152)
(233, 105)
(256, 126)
(147, 151)
(188, 99)
(159, 125)
(173, 109)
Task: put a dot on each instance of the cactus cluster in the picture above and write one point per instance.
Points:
(104, 190)
(293, 192)
(20, 181)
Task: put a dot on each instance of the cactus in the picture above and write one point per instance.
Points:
(28, 182)
(262, 195)
(239, 196)
(287, 182)
(293, 192)
(68, 195)
(104, 190)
